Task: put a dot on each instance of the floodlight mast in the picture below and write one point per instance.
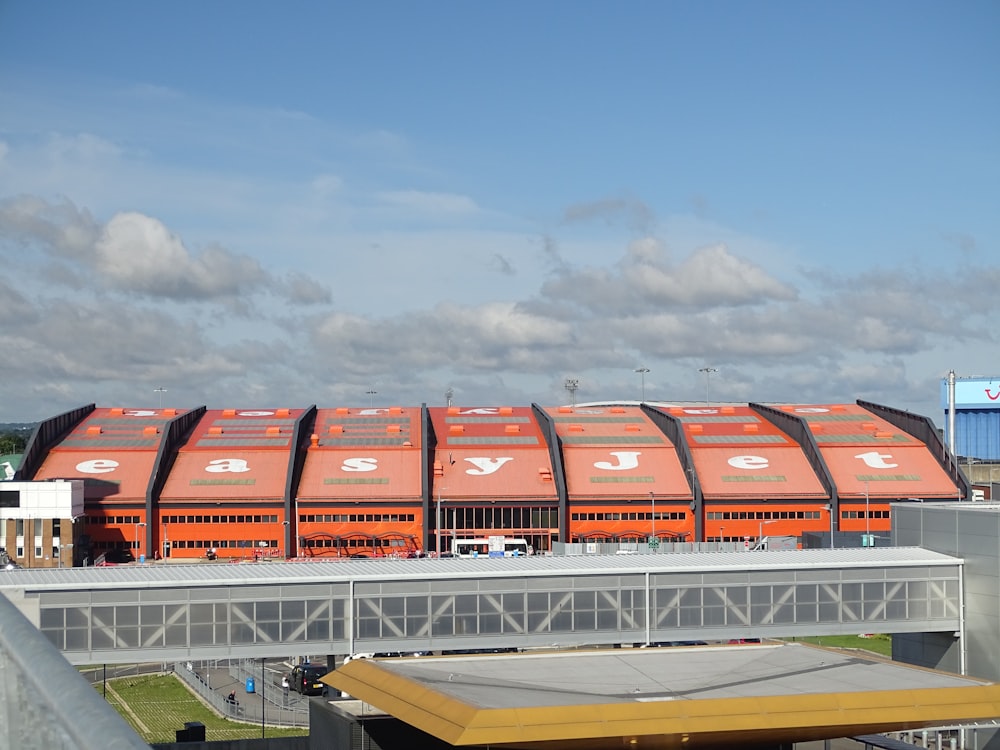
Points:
(571, 385)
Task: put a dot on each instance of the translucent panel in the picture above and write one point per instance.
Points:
(851, 592)
(78, 640)
(536, 621)
(490, 624)
(562, 622)
(411, 606)
(201, 613)
(690, 617)
(50, 618)
(241, 632)
(268, 611)
(114, 596)
(202, 635)
(805, 613)
(369, 629)
(873, 591)
(784, 614)
(65, 598)
(607, 621)
(584, 600)
(585, 620)
(760, 594)
(714, 616)
(151, 637)
(151, 614)
(538, 602)
(466, 604)
(175, 636)
(269, 631)
(805, 593)
(829, 612)
(212, 594)
(691, 598)
(320, 630)
(148, 596)
(293, 609)
(57, 637)
(917, 609)
(127, 637)
(126, 615)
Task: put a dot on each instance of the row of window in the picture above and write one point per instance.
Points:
(222, 519)
(861, 514)
(763, 515)
(664, 516)
(357, 518)
(36, 527)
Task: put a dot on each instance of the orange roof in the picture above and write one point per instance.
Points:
(107, 474)
(364, 454)
(739, 454)
(228, 474)
(113, 449)
(616, 451)
(764, 471)
(865, 452)
(234, 454)
(494, 452)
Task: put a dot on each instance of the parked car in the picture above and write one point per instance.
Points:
(306, 679)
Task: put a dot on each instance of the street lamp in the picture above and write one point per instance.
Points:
(437, 523)
(708, 376)
(135, 543)
(642, 377)
(161, 390)
(571, 385)
(760, 530)
(371, 396)
(652, 522)
(868, 520)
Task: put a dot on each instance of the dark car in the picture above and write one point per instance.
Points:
(306, 679)
(118, 556)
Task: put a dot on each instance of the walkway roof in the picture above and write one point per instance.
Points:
(688, 697)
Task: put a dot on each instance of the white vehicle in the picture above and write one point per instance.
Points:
(494, 546)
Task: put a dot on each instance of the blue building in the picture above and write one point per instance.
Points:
(976, 419)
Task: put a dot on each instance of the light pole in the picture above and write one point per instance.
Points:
(642, 379)
(571, 386)
(437, 523)
(868, 520)
(371, 396)
(708, 376)
(161, 390)
(135, 543)
(652, 521)
(760, 530)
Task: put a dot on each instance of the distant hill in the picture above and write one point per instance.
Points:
(17, 426)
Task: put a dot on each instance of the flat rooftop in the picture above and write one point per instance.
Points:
(691, 696)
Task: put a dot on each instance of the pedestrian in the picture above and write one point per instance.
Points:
(231, 698)
(284, 687)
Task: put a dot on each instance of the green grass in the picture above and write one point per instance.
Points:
(877, 644)
(156, 706)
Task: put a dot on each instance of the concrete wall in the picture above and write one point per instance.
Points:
(970, 531)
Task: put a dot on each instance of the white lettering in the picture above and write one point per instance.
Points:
(97, 466)
(874, 459)
(359, 464)
(701, 411)
(748, 462)
(140, 413)
(626, 460)
(811, 410)
(486, 465)
(255, 414)
(220, 465)
(372, 412)
(489, 410)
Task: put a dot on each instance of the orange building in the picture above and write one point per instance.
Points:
(404, 481)
(360, 492)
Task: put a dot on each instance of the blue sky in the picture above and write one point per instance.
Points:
(261, 204)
